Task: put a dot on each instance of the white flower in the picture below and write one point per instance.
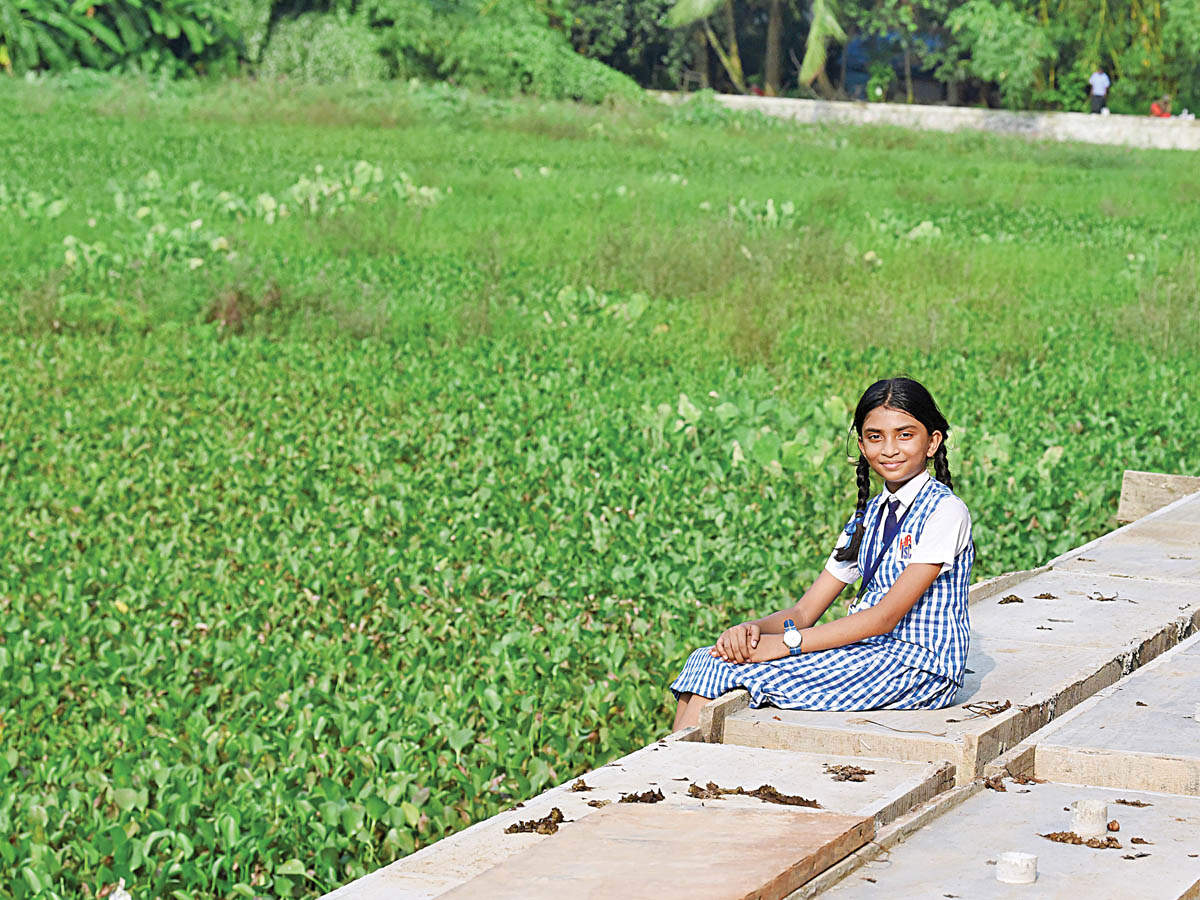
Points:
(195, 224)
(142, 212)
(195, 262)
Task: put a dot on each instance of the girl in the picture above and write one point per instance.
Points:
(903, 643)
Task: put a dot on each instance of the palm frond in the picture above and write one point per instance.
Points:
(688, 12)
(825, 27)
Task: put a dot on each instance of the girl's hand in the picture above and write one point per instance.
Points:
(737, 643)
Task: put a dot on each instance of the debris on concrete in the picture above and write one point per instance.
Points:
(1137, 803)
(712, 791)
(580, 785)
(548, 824)
(848, 773)
(1011, 598)
(655, 796)
(1070, 837)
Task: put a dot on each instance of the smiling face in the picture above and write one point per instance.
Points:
(896, 445)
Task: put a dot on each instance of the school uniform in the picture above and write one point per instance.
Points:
(919, 664)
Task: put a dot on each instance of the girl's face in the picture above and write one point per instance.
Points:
(896, 445)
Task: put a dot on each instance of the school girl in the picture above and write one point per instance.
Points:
(903, 642)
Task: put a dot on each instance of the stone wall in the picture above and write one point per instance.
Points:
(1128, 131)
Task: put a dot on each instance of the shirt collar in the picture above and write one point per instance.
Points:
(908, 491)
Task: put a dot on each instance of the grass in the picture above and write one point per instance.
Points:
(330, 533)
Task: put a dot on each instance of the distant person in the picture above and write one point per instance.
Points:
(1161, 108)
(903, 643)
(1099, 83)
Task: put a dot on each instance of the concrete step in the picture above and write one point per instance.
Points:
(1072, 630)
(955, 854)
(670, 766)
(1143, 733)
(676, 852)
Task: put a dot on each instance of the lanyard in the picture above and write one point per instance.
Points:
(873, 567)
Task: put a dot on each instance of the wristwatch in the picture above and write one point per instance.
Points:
(791, 636)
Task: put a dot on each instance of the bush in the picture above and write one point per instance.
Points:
(323, 47)
(506, 48)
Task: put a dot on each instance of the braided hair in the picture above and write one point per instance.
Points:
(907, 396)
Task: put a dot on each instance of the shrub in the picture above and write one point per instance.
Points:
(503, 47)
(323, 47)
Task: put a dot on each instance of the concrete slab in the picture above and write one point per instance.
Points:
(670, 766)
(1141, 733)
(676, 853)
(1159, 550)
(954, 855)
(1071, 635)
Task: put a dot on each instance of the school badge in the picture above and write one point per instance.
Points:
(906, 545)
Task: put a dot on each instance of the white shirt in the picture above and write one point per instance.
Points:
(945, 535)
(1099, 82)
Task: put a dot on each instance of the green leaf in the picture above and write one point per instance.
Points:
(291, 867)
(688, 12)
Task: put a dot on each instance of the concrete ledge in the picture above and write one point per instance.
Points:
(954, 854)
(715, 712)
(1042, 642)
(1128, 131)
(887, 838)
(669, 766)
(1139, 734)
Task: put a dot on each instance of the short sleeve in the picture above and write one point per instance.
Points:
(845, 572)
(946, 534)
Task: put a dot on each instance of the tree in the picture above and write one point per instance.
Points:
(824, 27)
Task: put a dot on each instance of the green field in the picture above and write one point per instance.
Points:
(346, 507)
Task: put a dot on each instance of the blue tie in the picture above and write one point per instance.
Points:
(890, 526)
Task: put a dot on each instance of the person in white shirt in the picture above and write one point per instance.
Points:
(1099, 83)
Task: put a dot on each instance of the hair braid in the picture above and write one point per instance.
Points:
(941, 467)
(862, 472)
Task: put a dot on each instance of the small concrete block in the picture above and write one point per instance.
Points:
(1089, 818)
(957, 854)
(714, 713)
(1015, 867)
(1146, 492)
(676, 853)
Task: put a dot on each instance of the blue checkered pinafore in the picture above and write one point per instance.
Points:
(917, 665)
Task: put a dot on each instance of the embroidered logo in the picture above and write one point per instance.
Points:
(905, 545)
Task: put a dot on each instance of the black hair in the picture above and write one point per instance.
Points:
(907, 396)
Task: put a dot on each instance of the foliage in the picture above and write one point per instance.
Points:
(824, 28)
(323, 47)
(406, 504)
(501, 46)
(880, 82)
(632, 36)
(169, 36)
(1005, 46)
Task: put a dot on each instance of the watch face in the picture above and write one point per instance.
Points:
(791, 637)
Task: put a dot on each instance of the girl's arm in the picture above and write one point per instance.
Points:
(879, 619)
(737, 644)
